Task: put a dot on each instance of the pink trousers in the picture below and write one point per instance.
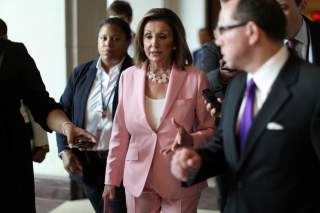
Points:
(151, 202)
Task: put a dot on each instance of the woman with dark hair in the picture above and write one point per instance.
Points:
(90, 100)
(160, 108)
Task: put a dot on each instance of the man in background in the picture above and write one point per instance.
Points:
(207, 57)
(302, 35)
(123, 10)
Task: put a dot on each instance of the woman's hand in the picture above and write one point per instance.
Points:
(182, 139)
(108, 195)
(73, 133)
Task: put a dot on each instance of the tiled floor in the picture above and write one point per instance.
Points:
(207, 204)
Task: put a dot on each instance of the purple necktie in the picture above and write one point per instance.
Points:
(248, 114)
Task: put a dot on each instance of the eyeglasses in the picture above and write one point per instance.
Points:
(222, 29)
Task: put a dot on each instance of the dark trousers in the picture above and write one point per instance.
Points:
(94, 165)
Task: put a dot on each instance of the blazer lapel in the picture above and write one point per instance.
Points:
(230, 118)
(176, 81)
(277, 98)
(314, 29)
(91, 72)
(141, 86)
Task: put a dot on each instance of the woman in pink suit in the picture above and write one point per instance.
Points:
(160, 106)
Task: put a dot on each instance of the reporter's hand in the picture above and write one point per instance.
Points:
(182, 139)
(73, 132)
(71, 163)
(108, 195)
(211, 110)
(184, 162)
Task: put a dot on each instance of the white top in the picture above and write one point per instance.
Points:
(94, 123)
(154, 109)
(304, 44)
(264, 78)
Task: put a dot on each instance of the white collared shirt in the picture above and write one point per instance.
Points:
(93, 120)
(264, 78)
(304, 43)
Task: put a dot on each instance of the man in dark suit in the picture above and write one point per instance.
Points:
(268, 142)
(304, 32)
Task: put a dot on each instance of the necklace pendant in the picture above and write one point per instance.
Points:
(103, 115)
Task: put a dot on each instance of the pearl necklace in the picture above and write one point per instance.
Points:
(158, 77)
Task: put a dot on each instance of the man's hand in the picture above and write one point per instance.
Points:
(184, 162)
(210, 108)
(71, 163)
(108, 195)
(182, 139)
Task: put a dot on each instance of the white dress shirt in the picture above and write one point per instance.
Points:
(264, 78)
(94, 122)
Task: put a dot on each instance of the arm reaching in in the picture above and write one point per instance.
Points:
(58, 121)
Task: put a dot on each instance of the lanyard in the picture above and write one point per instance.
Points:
(105, 106)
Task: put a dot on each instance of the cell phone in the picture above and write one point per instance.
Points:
(209, 97)
(83, 144)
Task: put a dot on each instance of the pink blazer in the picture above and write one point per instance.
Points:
(134, 146)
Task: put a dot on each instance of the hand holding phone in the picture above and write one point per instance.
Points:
(210, 98)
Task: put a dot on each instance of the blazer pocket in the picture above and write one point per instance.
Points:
(183, 101)
(132, 155)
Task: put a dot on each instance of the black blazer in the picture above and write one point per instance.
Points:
(75, 96)
(19, 79)
(279, 170)
(314, 28)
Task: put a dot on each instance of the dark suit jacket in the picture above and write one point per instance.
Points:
(75, 96)
(19, 79)
(314, 28)
(279, 170)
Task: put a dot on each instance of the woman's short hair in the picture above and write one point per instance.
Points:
(124, 26)
(118, 8)
(181, 54)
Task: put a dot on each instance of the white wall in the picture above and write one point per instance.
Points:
(192, 15)
(40, 25)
